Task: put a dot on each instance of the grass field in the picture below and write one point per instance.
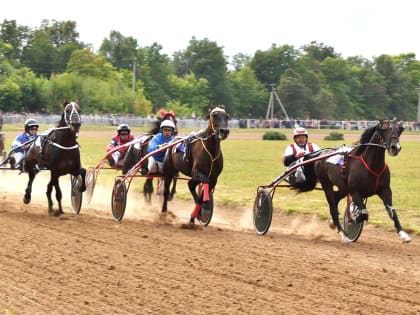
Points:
(250, 161)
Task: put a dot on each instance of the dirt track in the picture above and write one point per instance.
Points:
(88, 264)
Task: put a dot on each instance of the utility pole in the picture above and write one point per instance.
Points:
(270, 108)
(418, 104)
(133, 84)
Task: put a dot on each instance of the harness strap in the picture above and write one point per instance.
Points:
(211, 157)
(377, 175)
(62, 147)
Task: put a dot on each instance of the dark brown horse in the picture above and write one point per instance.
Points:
(364, 174)
(205, 163)
(57, 151)
(138, 150)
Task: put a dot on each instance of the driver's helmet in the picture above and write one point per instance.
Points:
(123, 127)
(29, 123)
(300, 131)
(167, 123)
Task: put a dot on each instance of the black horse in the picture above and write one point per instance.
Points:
(205, 162)
(57, 151)
(138, 150)
(364, 174)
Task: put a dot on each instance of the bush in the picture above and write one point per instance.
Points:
(334, 136)
(274, 135)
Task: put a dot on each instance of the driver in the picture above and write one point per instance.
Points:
(123, 136)
(295, 151)
(165, 135)
(27, 136)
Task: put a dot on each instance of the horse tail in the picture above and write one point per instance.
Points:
(130, 159)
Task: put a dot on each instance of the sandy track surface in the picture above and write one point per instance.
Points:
(149, 264)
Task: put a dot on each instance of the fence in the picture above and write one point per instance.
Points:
(115, 120)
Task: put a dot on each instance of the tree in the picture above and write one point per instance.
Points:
(269, 66)
(16, 36)
(154, 69)
(206, 60)
(119, 50)
(250, 97)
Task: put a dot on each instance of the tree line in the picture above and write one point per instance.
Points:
(42, 65)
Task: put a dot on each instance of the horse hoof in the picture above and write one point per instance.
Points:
(58, 213)
(344, 238)
(404, 237)
(331, 224)
(26, 200)
(190, 225)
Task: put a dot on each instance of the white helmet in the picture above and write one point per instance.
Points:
(167, 123)
(299, 131)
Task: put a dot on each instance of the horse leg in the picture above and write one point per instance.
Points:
(333, 198)
(386, 196)
(82, 172)
(361, 213)
(58, 196)
(192, 185)
(148, 189)
(166, 192)
(48, 193)
(28, 190)
(173, 190)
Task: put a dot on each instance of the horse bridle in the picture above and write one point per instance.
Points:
(211, 122)
(74, 112)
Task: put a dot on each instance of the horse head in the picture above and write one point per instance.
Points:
(218, 122)
(71, 116)
(390, 134)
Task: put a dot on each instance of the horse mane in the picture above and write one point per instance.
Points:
(365, 138)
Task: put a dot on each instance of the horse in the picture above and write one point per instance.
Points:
(58, 151)
(205, 162)
(363, 174)
(138, 150)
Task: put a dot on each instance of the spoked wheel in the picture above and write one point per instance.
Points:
(118, 200)
(263, 212)
(205, 215)
(76, 194)
(351, 227)
(90, 183)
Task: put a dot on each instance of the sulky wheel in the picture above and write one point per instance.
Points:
(76, 194)
(263, 212)
(90, 183)
(206, 213)
(118, 200)
(352, 228)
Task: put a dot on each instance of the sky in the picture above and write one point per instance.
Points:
(366, 28)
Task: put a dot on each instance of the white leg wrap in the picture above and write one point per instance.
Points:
(404, 237)
(344, 238)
